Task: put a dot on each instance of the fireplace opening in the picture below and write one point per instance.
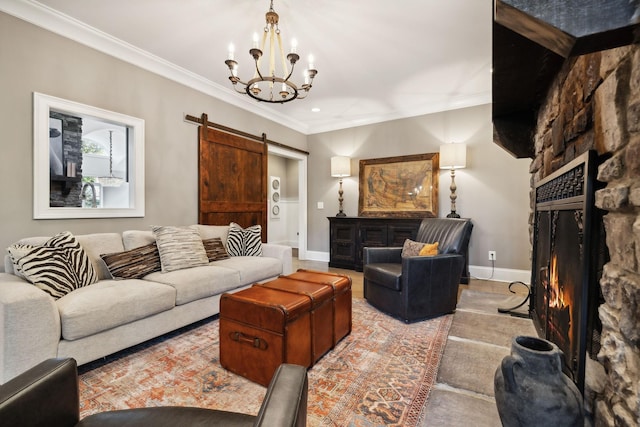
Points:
(567, 264)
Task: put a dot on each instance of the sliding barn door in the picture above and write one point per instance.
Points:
(233, 180)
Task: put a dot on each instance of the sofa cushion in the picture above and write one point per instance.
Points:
(59, 266)
(387, 275)
(215, 249)
(133, 264)
(211, 231)
(132, 239)
(198, 282)
(244, 241)
(100, 243)
(179, 247)
(252, 269)
(110, 303)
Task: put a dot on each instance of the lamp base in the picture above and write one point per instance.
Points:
(453, 214)
(341, 214)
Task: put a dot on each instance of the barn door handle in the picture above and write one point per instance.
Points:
(253, 341)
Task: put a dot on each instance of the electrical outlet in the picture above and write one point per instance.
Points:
(492, 255)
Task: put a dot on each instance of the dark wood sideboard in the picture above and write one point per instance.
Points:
(349, 235)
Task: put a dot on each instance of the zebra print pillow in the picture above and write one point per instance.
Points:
(59, 266)
(244, 241)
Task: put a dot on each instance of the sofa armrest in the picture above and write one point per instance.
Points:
(30, 326)
(285, 404)
(282, 252)
(382, 256)
(45, 395)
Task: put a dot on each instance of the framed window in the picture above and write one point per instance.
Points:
(88, 162)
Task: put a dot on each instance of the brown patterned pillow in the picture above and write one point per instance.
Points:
(411, 248)
(215, 249)
(133, 264)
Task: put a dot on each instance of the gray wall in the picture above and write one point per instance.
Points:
(32, 59)
(493, 190)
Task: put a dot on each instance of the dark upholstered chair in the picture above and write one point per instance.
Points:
(418, 287)
(47, 396)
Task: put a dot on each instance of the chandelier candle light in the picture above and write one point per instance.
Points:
(269, 87)
(340, 168)
(453, 156)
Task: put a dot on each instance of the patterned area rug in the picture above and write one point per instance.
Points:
(379, 375)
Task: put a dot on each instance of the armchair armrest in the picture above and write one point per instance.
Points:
(285, 404)
(431, 283)
(45, 395)
(382, 256)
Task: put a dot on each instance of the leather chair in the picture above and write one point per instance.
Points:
(47, 395)
(419, 287)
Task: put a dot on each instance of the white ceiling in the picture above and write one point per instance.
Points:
(376, 60)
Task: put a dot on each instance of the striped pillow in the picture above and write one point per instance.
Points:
(17, 251)
(179, 247)
(135, 263)
(59, 266)
(215, 249)
(244, 241)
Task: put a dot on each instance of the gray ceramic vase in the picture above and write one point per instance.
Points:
(531, 389)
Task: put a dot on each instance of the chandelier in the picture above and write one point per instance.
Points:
(110, 181)
(269, 87)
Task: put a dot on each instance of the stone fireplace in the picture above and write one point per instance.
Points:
(594, 104)
(586, 97)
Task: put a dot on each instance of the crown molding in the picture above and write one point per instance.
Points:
(482, 98)
(51, 20)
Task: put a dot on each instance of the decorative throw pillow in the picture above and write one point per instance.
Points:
(135, 263)
(411, 248)
(179, 247)
(59, 266)
(50, 270)
(17, 251)
(244, 241)
(429, 249)
(215, 249)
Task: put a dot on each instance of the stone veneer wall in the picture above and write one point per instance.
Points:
(594, 103)
(72, 152)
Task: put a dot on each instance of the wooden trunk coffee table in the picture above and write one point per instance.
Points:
(291, 319)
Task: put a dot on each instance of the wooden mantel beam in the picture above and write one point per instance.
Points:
(572, 27)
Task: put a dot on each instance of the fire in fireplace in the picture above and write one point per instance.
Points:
(559, 304)
(565, 272)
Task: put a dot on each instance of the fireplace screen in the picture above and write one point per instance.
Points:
(564, 280)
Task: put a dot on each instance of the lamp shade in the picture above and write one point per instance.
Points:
(453, 156)
(340, 166)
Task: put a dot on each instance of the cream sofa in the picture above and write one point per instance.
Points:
(97, 320)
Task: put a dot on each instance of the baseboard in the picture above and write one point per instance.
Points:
(317, 256)
(500, 274)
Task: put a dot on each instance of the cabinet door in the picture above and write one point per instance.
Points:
(343, 244)
(398, 233)
(372, 234)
